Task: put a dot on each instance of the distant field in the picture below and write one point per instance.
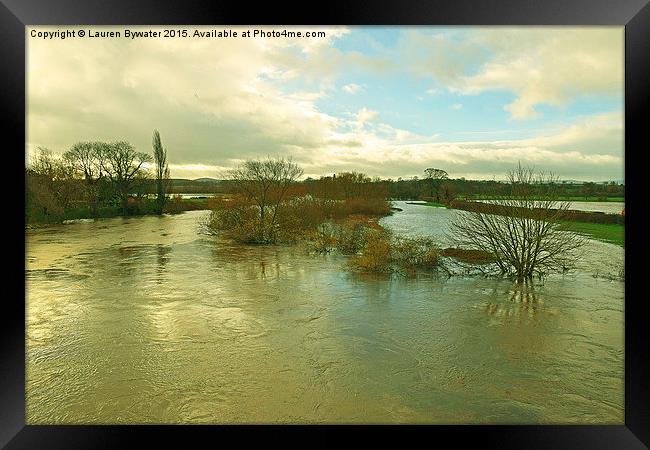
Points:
(567, 199)
(612, 233)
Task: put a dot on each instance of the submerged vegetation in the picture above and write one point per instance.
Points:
(526, 231)
(519, 231)
(338, 214)
(520, 238)
(269, 206)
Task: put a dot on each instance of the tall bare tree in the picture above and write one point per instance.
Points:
(265, 183)
(520, 230)
(162, 171)
(124, 167)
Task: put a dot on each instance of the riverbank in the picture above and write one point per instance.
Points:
(141, 208)
(592, 198)
(581, 222)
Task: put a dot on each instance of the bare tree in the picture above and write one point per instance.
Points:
(85, 158)
(162, 171)
(50, 183)
(521, 230)
(265, 183)
(124, 167)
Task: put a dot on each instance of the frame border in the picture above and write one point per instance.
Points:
(633, 14)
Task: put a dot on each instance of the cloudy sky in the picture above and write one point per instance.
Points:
(387, 101)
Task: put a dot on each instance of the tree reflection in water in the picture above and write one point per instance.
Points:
(162, 258)
(523, 302)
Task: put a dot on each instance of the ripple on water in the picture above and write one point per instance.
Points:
(126, 325)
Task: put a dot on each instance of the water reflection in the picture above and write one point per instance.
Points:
(150, 322)
(162, 258)
(520, 302)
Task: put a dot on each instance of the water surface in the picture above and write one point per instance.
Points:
(144, 320)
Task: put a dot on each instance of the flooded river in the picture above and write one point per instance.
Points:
(145, 320)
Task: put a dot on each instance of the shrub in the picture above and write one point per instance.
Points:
(350, 236)
(413, 253)
(298, 218)
(236, 218)
(383, 252)
(323, 239)
(376, 255)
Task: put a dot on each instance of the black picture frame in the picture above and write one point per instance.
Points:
(633, 14)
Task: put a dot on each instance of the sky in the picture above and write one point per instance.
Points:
(386, 101)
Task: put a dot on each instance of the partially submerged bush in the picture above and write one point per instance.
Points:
(236, 218)
(350, 237)
(416, 253)
(383, 252)
(377, 253)
(323, 239)
(296, 219)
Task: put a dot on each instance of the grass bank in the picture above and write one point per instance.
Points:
(145, 207)
(612, 233)
(434, 204)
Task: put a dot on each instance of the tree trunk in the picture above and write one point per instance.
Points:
(160, 200)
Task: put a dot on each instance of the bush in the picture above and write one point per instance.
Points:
(383, 252)
(349, 238)
(414, 253)
(236, 218)
(323, 239)
(327, 223)
(376, 255)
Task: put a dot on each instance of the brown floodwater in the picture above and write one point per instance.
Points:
(145, 320)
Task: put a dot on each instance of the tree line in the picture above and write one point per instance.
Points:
(442, 189)
(94, 178)
(435, 185)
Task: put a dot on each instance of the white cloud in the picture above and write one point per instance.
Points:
(540, 65)
(352, 88)
(591, 148)
(215, 105)
(548, 66)
(363, 117)
(366, 115)
(210, 106)
(456, 106)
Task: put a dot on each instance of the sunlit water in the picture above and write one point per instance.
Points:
(147, 321)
